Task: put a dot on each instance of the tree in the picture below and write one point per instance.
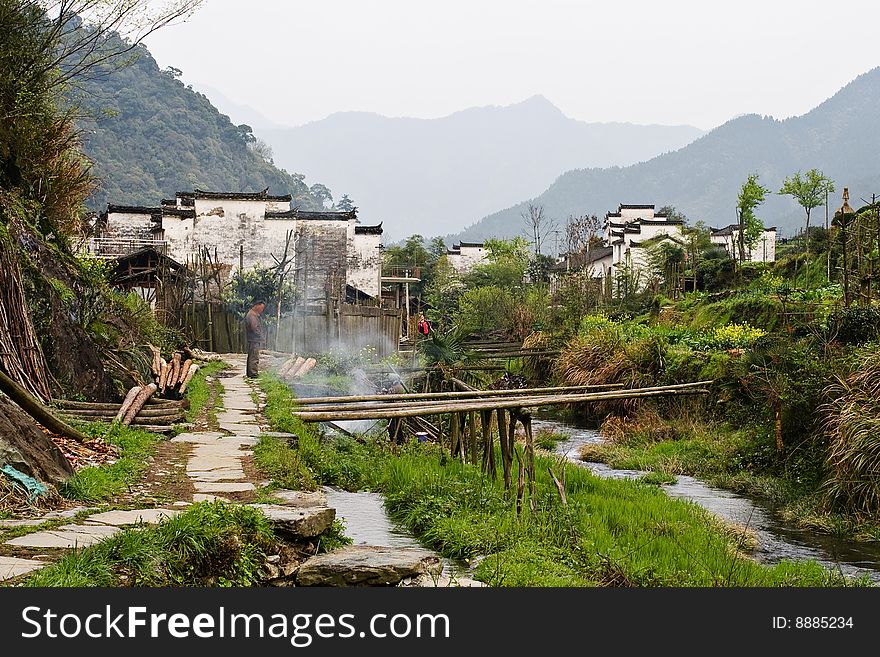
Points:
(750, 197)
(810, 191)
(322, 194)
(345, 204)
(506, 265)
(537, 226)
(76, 33)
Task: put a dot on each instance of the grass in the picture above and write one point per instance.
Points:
(735, 459)
(611, 533)
(96, 484)
(209, 544)
(547, 439)
(198, 392)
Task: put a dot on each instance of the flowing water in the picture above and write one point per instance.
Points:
(777, 540)
(367, 523)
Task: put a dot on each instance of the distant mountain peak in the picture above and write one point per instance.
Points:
(536, 105)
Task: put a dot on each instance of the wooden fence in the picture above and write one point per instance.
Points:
(312, 330)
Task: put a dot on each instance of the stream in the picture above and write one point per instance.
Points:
(777, 540)
(367, 523)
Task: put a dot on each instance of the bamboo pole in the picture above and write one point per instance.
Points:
(488, 443)
(110, 406)
(455, 441)
(453, 395)
(36, 410)
(426, 408)
(144, 412)
(520, 482)
(505, 448)
(526, 420)
(472, 435)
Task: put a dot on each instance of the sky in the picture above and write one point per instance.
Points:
(672, 62)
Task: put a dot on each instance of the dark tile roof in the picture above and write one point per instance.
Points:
(368, 230)
(662, 221)
(132, 209)
(478, 245)
(727, 230)
(628, 206)
(239, 196)
(309, 215)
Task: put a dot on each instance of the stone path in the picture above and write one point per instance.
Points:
(215, 467)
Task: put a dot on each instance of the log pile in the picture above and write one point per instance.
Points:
(140, 409)
(296, 367)
(155, 406)
(172, 376)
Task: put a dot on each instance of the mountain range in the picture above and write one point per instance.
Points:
(431, 176)
(841, 137)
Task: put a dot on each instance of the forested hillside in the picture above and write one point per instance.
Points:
(148, 136)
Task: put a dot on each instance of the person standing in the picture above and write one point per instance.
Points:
(254, 333)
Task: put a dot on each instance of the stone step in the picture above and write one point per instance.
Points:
(298, 522)
(366, 565)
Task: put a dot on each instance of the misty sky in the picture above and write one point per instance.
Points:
(672, 62)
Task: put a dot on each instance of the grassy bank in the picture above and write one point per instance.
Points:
(740, 459)
(617, 533)
(210, 544)
(101, 483)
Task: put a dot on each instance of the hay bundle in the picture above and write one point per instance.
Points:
(852, 425)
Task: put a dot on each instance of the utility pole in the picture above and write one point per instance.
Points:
(827, 237)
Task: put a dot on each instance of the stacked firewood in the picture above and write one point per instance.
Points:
(172, 376)
(295, 367)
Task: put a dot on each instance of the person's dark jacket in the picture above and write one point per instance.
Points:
(253, 326)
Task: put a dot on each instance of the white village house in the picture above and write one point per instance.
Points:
(464, 256)
(763, 250)
(328, 249)
(627, 235)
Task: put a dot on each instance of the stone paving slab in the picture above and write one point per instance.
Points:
(241, 429)
(51, 515)
(206, 477)
(300, 498)
(133, 517)
(207, 497)
(196, 437)
(66, 536)
(13, 567)
(223, 487)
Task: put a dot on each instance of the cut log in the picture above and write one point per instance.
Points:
(138, 402)
(306, 368)
(126, 403)
(175, 371)
(184, 370)
(297, 364)
(156, 365)
(285, 368)
(163, 376)
(189, 377)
